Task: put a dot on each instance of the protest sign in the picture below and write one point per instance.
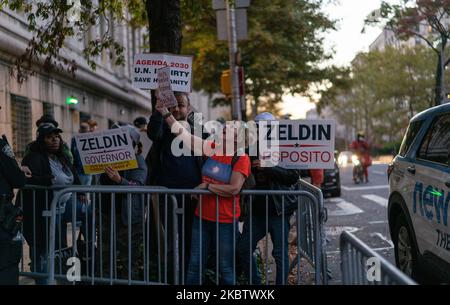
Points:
(112, 148)
(145, 71)
(297, 144)
(164, 92)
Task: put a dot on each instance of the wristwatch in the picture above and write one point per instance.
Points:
(168, 114)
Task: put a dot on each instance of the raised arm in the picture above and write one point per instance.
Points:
(192, 142)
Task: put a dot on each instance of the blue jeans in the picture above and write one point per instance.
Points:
(257, 232)
(226, 250)
(39, 263)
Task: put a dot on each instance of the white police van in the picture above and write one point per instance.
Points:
(419, 200)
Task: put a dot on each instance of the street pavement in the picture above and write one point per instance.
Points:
(362, 210)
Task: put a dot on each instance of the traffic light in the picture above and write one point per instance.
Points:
(225, 82)
(226, 85)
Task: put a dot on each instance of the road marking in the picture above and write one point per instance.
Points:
(334, 200)
(383, 238)
(377, 222)
(362, 188)
(337, 230)
(345, 208)
(380, 200)
(379, 173)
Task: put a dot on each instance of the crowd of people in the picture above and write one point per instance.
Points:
(50, 162)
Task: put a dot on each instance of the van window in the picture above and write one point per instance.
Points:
(436, 144)
(411, 134)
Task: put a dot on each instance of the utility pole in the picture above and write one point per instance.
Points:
(234, 69)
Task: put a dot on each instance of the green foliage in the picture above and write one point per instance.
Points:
(408, 17)
(54, 22)
(281, 55)
(387, 149)
(382, 91)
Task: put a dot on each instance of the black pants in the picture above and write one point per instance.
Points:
(10, 254)
(166, 210)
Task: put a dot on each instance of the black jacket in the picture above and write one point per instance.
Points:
(159, 132)
(132, 177)
(10, 174)
(39, 165)
(282, 179)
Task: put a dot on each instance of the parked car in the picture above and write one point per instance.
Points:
(345, 158)
(419, 200)
(332, 181)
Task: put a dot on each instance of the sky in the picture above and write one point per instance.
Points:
(347, 41)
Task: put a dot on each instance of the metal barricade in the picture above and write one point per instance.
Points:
(356, 257)
(156, 247)
(35, 201)
(306, 240)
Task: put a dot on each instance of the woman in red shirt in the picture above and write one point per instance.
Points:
(221, 210)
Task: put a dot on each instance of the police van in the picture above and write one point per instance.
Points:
(419, 199)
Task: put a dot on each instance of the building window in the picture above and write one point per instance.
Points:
(47, 109)
(21, 124)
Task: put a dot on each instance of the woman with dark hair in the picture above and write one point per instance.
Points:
(49, 166)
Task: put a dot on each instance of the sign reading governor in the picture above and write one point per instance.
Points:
(112, 148)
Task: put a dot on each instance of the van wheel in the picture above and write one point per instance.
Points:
(405, 249)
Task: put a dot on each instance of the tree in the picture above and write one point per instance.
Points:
(282, 54)
(407, 18)
(382, 91)
(53, 22)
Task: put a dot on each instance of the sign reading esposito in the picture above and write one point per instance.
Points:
(301, 144)
(112, 148)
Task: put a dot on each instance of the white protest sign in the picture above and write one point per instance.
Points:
(297, 144)
(164, 91)
(112, 148)
(145, 71)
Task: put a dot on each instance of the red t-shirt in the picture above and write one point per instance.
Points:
(217, 170)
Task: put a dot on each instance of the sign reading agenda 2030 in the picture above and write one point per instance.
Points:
(297, 144)
(145, 71)
(112, 148)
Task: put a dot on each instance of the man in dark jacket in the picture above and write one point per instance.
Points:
(11, 177)
(272, 208)
(168, 170)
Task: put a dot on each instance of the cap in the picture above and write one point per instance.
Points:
(46, 118)
(135, 136)
(140, 121)
(265, 116)
(46, 129)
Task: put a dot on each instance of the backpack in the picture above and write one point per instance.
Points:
(250, 181)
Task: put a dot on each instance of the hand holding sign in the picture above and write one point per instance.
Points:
(110, 148)
(164, 91)
(113, 174)
(160, 107)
